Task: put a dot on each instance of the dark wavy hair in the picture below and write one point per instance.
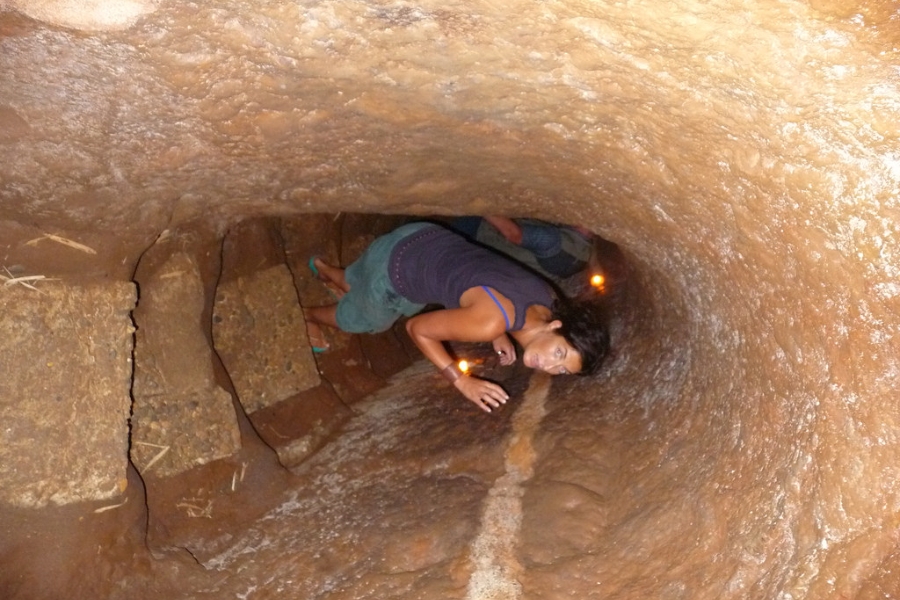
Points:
(585, 325)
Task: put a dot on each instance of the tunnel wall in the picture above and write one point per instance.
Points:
(745, 156)
(766, 413)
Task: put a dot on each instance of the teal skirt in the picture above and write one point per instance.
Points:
(372, 305)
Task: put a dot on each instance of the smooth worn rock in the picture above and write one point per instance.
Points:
(395, 503)
(64, 395)
(300, 425)
(88, 15)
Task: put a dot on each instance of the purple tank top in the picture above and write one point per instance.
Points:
(435, 266)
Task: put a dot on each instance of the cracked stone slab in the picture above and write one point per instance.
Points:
(260, 334)
(182, 418)
(64, 395)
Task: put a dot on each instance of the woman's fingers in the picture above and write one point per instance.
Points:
(507, 358)
(484, 394)
(505, 350)
(491, 403)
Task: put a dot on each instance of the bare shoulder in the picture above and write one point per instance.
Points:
(485, 310)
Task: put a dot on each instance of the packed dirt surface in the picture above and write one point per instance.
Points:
(421, 495)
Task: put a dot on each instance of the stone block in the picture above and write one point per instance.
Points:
(181, 417)
(260, 334)
(64, 395)
(299, 426)
(388, 352)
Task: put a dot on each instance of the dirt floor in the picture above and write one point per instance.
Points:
(392, 507)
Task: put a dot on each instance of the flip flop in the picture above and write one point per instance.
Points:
(319, 349)
(312, 267)
(327, 282)
(321, 337)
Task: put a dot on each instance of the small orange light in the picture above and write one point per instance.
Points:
(597, 280)
(464, 366)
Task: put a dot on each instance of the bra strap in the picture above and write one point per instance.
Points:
(503, 310)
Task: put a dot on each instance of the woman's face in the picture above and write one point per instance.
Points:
(550, 352)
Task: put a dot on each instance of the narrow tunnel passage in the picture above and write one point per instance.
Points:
(408, 501)
(258, 247)
(411, 493)
(743, 443)
(630, 470)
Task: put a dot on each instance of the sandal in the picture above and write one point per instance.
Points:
(317, 340)
(314, 269)
(329, 285)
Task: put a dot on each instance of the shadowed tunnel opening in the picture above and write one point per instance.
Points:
(301, 431)
(741, 443)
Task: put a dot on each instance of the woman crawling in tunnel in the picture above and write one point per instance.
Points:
(486, 298)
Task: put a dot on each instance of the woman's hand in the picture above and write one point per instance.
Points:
(484, 394)
(505, 350)
(507, 228)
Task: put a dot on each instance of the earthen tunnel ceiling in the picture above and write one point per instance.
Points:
(745, 157)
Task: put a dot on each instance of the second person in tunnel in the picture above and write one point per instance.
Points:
(486, 298)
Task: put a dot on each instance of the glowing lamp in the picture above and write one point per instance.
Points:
(464, 366)
(597, 280)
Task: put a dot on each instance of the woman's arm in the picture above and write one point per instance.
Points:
(507, 228)
(473, 323)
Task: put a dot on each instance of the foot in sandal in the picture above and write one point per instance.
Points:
(317, 340)
(324, 272)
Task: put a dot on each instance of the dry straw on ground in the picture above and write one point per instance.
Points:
(61, 240)
(25, 280)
